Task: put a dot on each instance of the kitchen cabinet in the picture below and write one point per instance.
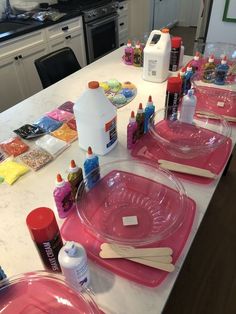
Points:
(123, 10)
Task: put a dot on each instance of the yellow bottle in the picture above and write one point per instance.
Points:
(75, 177)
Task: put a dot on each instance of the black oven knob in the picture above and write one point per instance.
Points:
(104, 10)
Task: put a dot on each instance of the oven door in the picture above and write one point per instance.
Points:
(102, 37)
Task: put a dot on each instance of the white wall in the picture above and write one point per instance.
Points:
(218, 30)
(189, 12)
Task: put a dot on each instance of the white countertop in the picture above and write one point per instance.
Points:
(17, 252)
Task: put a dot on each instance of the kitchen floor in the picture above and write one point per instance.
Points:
(188, 36)
(207, 282)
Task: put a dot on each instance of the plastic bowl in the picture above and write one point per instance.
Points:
(151, 199)
(43, 292)
(184, 140)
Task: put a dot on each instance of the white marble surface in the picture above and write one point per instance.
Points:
(17, 252)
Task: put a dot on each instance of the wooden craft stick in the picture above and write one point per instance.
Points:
(165, 164)
(204, 114)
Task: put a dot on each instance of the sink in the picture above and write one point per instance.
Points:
(8, 26)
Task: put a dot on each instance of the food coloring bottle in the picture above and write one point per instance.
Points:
(140, 118)
(187, 79)
(129, 54)
(173, 94)
(75, 177)
(132, 128)
(221, 72)
(149, 111)
(175, 53)
(196, 63)
(188, 107)
(45, 233)
(209, 70)
(137, 55)
(63, 197)
(74, 265)
(91, 168)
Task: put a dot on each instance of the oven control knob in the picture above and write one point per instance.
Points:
(94, 13)
(104, 10)
(89, 15)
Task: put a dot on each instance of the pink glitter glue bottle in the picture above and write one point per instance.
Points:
(63, 197)
(129, 53)
(132, 131)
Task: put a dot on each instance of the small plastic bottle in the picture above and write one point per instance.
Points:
(149, 111)
(63, 197)
(209, 70)
(129, 54)
(175, 53)
(131, 131)
(140, 118)
(181, 56)
(74, 265)
(75, 177)
(188, 107)
(187, 79)
(91, 168)
(221, 72)
(173, 94)
(196, 63)
(45, 233)
(137, 55)
(182, 76)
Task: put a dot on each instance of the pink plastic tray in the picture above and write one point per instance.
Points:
(73, 230)
(147, 148)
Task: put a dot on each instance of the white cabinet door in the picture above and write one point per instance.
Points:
(74, 40)
(12, 89)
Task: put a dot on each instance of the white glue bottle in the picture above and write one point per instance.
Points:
(96, 120)
(188, 107)
(74, 265)
(157, 56)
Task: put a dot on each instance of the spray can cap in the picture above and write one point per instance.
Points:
(176, 42)
(73, 168)
(70, 248)
(174, 84)
(93, 84)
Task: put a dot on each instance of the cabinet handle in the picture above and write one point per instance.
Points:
(121, 24)
(122, 44)
(65, 28)
(16, 58)
(68, 37)
(20, 57)
(121, 8)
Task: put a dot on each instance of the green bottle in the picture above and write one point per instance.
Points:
(209, 70)
(137, 55)
(75, 177)
(140, 119)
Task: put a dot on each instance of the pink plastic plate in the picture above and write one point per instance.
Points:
(148, 148)
(73, 229)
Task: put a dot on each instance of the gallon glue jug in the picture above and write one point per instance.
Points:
(96, 120)
(157, 56)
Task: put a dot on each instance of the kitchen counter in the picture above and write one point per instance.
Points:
(115, 295)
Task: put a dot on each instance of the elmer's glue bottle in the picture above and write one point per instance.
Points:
(196, 63)
(129, 54)
(132, 128)
(62, 196)
(91, 168)
(75, 177)
(149, 111)
(188, 107)
(96, 120)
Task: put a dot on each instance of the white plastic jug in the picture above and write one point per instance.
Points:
(157, 56)
(96, 120)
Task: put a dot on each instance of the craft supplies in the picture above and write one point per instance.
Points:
(48, 124)
(187, 79)
(36, 158)
(60, 115)
(221, 72)
(72, 124)
(11, 170)
(14, 146)
(65, 133)
(52, 145)
(209, 70)
(29, 131)
(149, 110)
(2, 156)
(96, 120)
(63, 197)
(75, 177)
(175, 53)
(45, 233)
(157, 56)
(67, 106)
(91, 168)
(140, 117)
(188, 107)
(196, 63)
(132, 128)
(129, 54)
(173, 93)
(137, 55)
(74, 264)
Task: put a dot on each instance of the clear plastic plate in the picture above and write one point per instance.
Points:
(185, 140)
(152, 197)
(43, 293)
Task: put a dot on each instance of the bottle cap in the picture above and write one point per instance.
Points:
(129, 43)
(140, 108)
(42, 224)
(190, 92)
(176, 42)
(150, 102)
(174, 84)
(89, 153)
(211, 58)
(59, 182)
(132, 117)
(197, 56)
(137, 44)
(224, 60)
(70, 248)
(93, 84)
(73, 168)
(165, 30)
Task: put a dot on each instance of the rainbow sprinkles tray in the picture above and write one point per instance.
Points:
(120, 94)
